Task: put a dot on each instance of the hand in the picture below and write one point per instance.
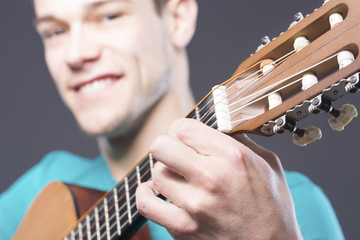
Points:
(218, 188)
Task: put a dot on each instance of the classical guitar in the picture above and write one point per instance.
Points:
(301, 72)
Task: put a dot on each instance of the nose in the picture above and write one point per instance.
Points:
(82, 50)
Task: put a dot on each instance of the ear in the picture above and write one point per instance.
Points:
(181, 17)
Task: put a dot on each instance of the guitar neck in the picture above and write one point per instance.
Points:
(115, 216)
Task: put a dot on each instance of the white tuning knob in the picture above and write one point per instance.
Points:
(300, 43)
(308, 136)
(346, 114)
(345, 58)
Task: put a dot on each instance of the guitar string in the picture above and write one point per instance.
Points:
(124, 215)
(93, 225)
(254, 81)
(259, 76)
(273, 86)
(91, 214)
(276, 62)
(282, 81)
(215, 122)
(214, 114)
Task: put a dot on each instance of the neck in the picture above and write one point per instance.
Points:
(124, 152)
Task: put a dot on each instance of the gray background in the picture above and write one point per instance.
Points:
(33, 120)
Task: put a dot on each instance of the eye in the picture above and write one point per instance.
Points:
(53, 33)
(110, 17)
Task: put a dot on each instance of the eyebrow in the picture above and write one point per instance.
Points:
(102, 2)
(92, 5)
(47, 18)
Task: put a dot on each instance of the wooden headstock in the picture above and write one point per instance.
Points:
(248, 89)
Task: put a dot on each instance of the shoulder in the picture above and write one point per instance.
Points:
(67, 167)
(316, 217)
(54, 166)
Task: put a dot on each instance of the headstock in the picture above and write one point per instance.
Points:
(303, 71)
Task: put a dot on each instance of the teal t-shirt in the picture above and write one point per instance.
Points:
(315, 215)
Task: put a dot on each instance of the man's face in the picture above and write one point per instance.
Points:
(108, 58)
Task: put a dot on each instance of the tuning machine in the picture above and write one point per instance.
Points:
(301, 137)
(324, 102)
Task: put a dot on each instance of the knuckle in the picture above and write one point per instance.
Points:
(158, 144)
(200, 208)
(195, 207)
(184, 228)
(213, 180)
(236, 156)
(214, 184)
(183, 128)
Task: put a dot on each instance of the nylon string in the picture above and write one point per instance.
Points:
(243, 88)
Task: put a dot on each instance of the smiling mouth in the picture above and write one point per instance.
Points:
(97, 84)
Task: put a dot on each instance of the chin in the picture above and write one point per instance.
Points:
(110, 129)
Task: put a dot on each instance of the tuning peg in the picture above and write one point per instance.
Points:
(297, 18)
(302, 137)
(342, 117)
(264, 41)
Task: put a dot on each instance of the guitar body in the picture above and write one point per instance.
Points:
(57, 209)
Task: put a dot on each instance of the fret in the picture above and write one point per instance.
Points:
(88, 229)
(102, 222)
(111, 213)
(123, 210)
(133, 184)
(117, 211)
(151, 161)
(106, 210)
(97, 223)
(72, 235)
(128, 200)
(80, 231)
(138, 174)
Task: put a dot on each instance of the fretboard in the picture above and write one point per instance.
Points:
(116, 216)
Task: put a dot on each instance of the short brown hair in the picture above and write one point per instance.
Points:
(159, 4)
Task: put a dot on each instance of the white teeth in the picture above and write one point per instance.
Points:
(96, 85)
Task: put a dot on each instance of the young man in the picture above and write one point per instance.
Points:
(121, 68)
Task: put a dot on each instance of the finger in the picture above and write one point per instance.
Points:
(165, 181)
(270, 157)
(177, 156)
(203, 139)
(161, 212)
